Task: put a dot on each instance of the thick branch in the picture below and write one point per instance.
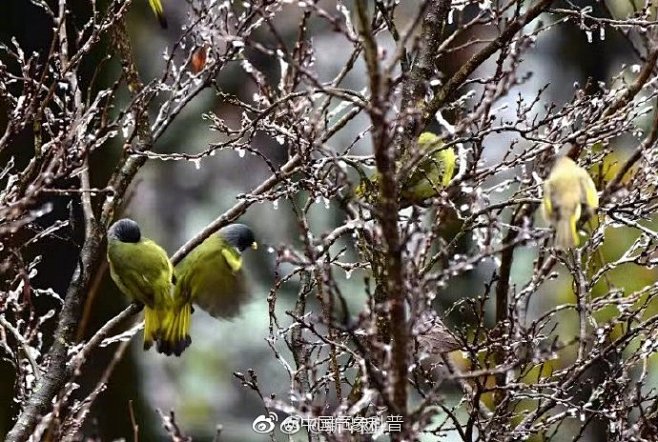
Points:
(415, 86)
(394, 294)
(634, 88)
(236, 211)
(57, 373)
(451, 86)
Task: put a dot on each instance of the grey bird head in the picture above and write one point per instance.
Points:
(239, 236)
(125, 230)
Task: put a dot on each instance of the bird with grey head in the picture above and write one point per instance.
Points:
(212, 277)
(143, 272)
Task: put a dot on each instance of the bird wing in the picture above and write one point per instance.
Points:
(547, 206)
(142, 271)
(431, 173)
(590, 197)
(449, 159)
(212, 278)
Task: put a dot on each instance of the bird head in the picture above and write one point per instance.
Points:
(125, 230)
(239, 236)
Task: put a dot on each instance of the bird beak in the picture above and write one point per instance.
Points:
(254, 245)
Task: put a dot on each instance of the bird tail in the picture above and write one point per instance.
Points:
(175, 336)
(156, 5)
(153, 321)
(566, 234)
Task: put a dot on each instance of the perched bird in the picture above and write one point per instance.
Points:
(435, 344)
(156, 5)
(431, 173)
(569, 198)
(143, 272)
(434, 337)
(211, 277)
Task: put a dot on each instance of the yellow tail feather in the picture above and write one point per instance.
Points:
(566, 234)
(175, 337)
(152, 326)
(156, 5)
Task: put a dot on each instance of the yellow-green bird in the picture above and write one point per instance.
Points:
(143, 272)
(211, 277)
(569, 197)
(156, 6)
(430, 175)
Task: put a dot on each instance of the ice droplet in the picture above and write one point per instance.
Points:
(602, 33)
(588, 33)
(451, 17)
(197, 163)
(275, 204)
(348, 273)
(241, 153)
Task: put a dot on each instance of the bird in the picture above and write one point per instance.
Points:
(210, 276)
(143, 272)
(156, 6)
(431, 174)
(569, 198)
(434, 337)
